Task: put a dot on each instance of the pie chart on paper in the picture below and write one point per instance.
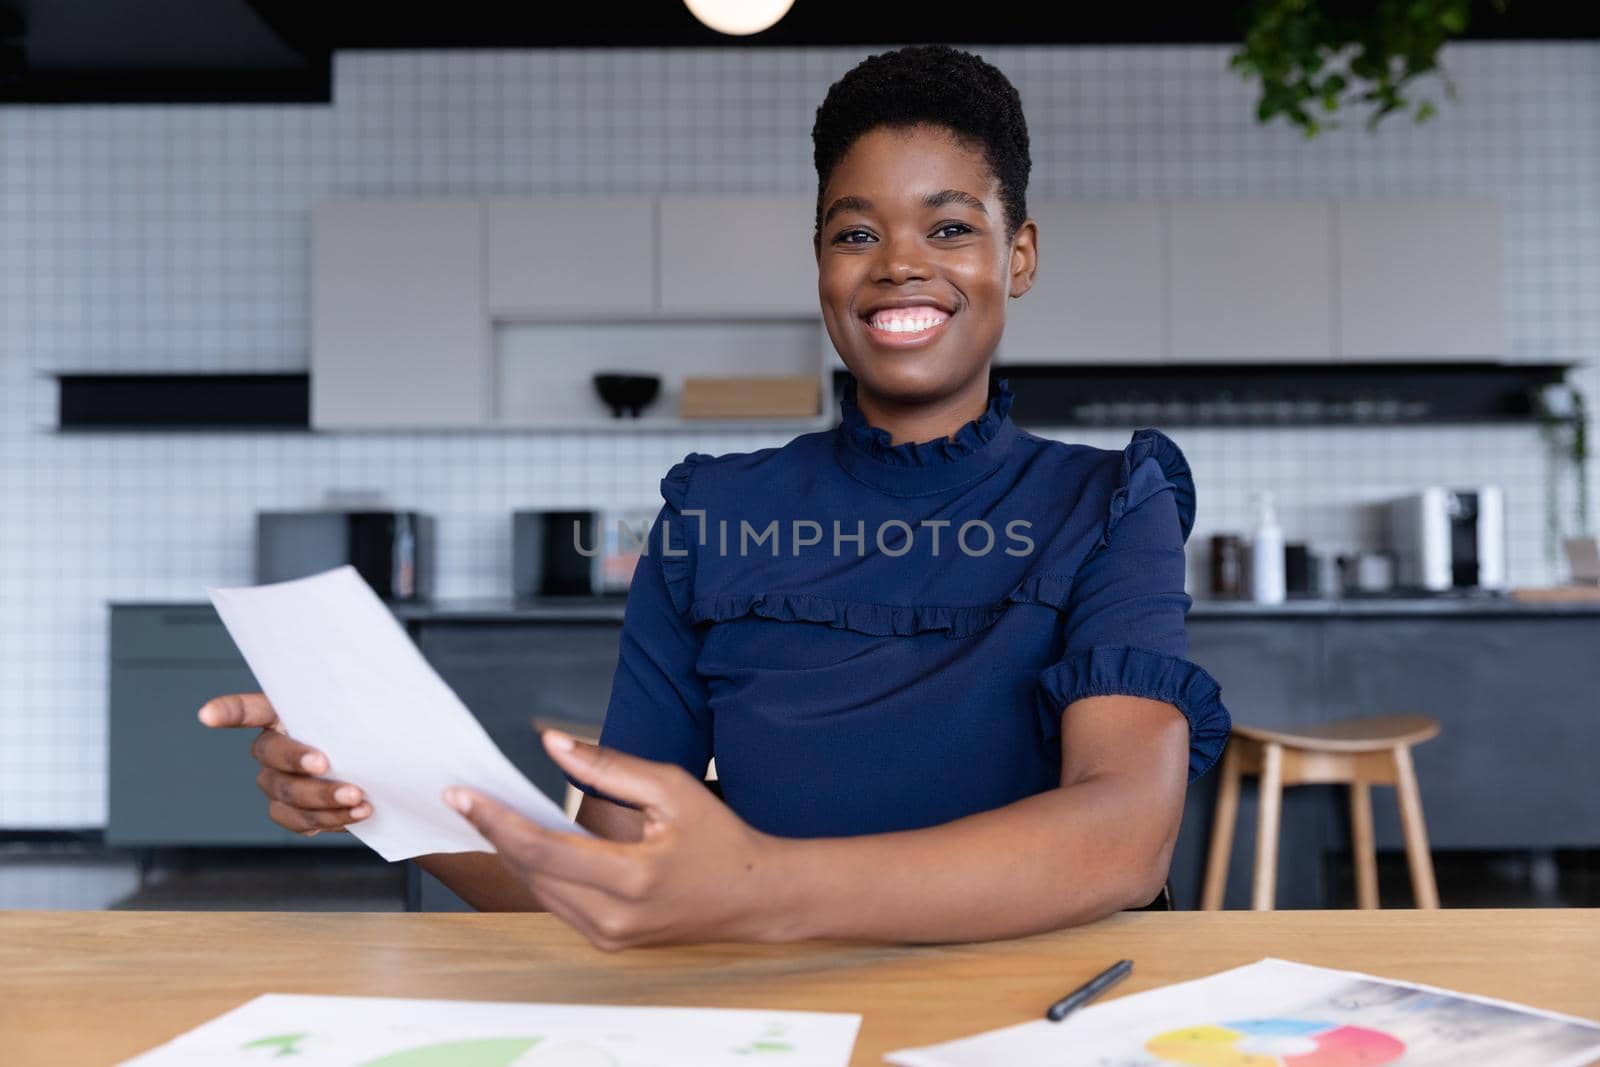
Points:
(1276, 1043)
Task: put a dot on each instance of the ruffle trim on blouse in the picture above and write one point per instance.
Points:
(1152, 462)
(677, 562)
(1140, 672)
(875, 441)
(882, 620)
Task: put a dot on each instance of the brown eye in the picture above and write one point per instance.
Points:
(839, 239)
(961, 226)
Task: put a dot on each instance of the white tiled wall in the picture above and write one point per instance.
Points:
(175, 238)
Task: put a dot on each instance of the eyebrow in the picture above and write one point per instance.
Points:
(939, 199)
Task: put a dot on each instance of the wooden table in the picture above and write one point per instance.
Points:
(95, 987)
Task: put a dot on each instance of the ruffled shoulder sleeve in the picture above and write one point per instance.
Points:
(1125, 630)
(1151, 463)
(680, 532)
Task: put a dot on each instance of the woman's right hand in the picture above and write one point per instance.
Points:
(298, 800)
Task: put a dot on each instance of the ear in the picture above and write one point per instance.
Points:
(1024, 257)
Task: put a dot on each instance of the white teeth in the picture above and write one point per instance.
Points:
(905, 325)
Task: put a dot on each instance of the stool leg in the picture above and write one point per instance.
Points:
(1361, 845)
(1266, 873)
(1222, 820)
(1418, 858)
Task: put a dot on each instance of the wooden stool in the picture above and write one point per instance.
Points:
(1359, 752)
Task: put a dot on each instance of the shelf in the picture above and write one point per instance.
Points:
(647, 423)
(213, 403)
(1282, 396)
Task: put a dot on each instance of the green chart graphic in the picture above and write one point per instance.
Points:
(484, 1052)
(509, 1051)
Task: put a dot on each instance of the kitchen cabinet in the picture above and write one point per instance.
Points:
(1251, 280)
(570, 256)
(1507, 771)
(739, 256)
(399, 335)
(1099, 291)
(1420, 280)
(170, 780)
(509, 673)
(1518, 719)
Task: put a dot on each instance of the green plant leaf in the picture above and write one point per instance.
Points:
(1328, 54)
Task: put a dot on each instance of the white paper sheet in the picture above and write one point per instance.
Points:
(1274, 1013)
(346, 680)
(311, 1031)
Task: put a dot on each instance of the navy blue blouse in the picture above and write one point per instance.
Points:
(871, 637)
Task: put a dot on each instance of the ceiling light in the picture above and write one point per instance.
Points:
(739, 17)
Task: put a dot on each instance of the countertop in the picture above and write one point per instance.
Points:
(610, 608)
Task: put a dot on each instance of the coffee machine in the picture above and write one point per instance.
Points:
(1448, 540)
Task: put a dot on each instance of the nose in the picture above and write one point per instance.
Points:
(901, 259)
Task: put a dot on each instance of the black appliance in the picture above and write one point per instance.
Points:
(392, 550)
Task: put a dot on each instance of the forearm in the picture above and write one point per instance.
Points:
(480, 879)
(1063, 857)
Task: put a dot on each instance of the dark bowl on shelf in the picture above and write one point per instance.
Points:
(627, 392)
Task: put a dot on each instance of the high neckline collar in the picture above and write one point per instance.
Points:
(912, 468)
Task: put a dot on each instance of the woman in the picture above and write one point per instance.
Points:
(938, 659)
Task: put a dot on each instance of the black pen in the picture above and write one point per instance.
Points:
(1089, 990)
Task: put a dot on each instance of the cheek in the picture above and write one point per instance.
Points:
(833, 286)
(986, 289)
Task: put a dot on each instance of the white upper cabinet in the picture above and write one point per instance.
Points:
(1097, 293)
(570, 256)
(1420, 280)
(739, 256)
(1251, 281)
(399, 336)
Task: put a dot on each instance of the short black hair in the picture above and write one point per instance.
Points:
(937, 85)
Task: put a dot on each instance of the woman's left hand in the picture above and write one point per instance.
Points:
(699, 873)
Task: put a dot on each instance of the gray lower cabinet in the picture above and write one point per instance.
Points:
(1267, 670)
(1520, 704)
(510, 673)
(172, 781)
(175, 783)
(1516, 695)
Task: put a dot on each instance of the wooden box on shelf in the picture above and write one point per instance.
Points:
(765, 396)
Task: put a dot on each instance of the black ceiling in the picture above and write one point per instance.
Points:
(63, 51)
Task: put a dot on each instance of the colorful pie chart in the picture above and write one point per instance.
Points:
(1276, 1043)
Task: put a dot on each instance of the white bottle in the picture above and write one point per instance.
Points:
(1266, 555)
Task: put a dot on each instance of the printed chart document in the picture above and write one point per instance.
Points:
(309, 1031)
(345, 679)
(1274, 1013)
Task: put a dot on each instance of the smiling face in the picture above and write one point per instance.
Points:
(914, 266)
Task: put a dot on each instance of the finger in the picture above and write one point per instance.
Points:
(238, 709)
(545, 891)
(312, 794)
(643, 783)
(283, 753)
(600, 918)
(300, 820)
(606, 865)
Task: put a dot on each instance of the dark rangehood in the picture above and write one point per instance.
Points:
(392, 550)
